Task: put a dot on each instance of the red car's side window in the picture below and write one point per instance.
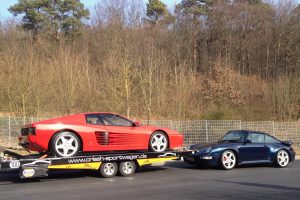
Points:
(115, 120)
(93, 119)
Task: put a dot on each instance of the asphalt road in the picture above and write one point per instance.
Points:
(175, 180)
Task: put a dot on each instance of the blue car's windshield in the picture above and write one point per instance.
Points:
(234, 136)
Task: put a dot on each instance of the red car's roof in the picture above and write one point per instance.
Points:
(96, 113)
(75, 118)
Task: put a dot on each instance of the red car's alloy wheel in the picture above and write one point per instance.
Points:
(66, 144)
(158, 142)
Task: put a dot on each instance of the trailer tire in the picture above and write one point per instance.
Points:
(108, 169)
(127, 168)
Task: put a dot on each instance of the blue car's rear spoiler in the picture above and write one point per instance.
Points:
(288, 143)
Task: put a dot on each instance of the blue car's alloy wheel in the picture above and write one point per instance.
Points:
(228, 160)
(282, 158)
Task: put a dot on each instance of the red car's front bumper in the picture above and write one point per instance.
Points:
(176, 141)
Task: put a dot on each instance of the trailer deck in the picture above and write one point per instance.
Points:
(108, 164)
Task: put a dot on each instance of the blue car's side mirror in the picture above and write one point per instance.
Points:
(247, 141)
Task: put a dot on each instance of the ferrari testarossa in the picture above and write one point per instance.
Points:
(241, 147)
(96, 132)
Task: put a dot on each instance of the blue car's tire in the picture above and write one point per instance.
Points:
(282, 158)
(228, 160)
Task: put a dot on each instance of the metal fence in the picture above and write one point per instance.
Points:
(212, 130)
(194, 131)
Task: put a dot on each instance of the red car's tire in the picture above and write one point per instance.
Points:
(158, 142)
(65, 144)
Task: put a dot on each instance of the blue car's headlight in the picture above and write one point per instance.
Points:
(199, 150)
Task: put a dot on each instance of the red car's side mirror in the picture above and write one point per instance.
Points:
(136, 123)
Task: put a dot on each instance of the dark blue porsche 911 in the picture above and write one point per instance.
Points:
(241, 147)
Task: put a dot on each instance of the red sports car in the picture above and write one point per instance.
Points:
(90, 132)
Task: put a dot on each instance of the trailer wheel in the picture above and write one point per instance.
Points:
(108, 169)
(127, 168)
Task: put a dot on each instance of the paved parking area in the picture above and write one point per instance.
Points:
(175, 180)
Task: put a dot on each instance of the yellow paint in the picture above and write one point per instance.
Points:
(149, 161)
(96, 165)
(92, 165)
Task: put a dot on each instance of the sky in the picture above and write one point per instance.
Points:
(5, 4)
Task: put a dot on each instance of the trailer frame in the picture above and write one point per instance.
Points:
(107, 164)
